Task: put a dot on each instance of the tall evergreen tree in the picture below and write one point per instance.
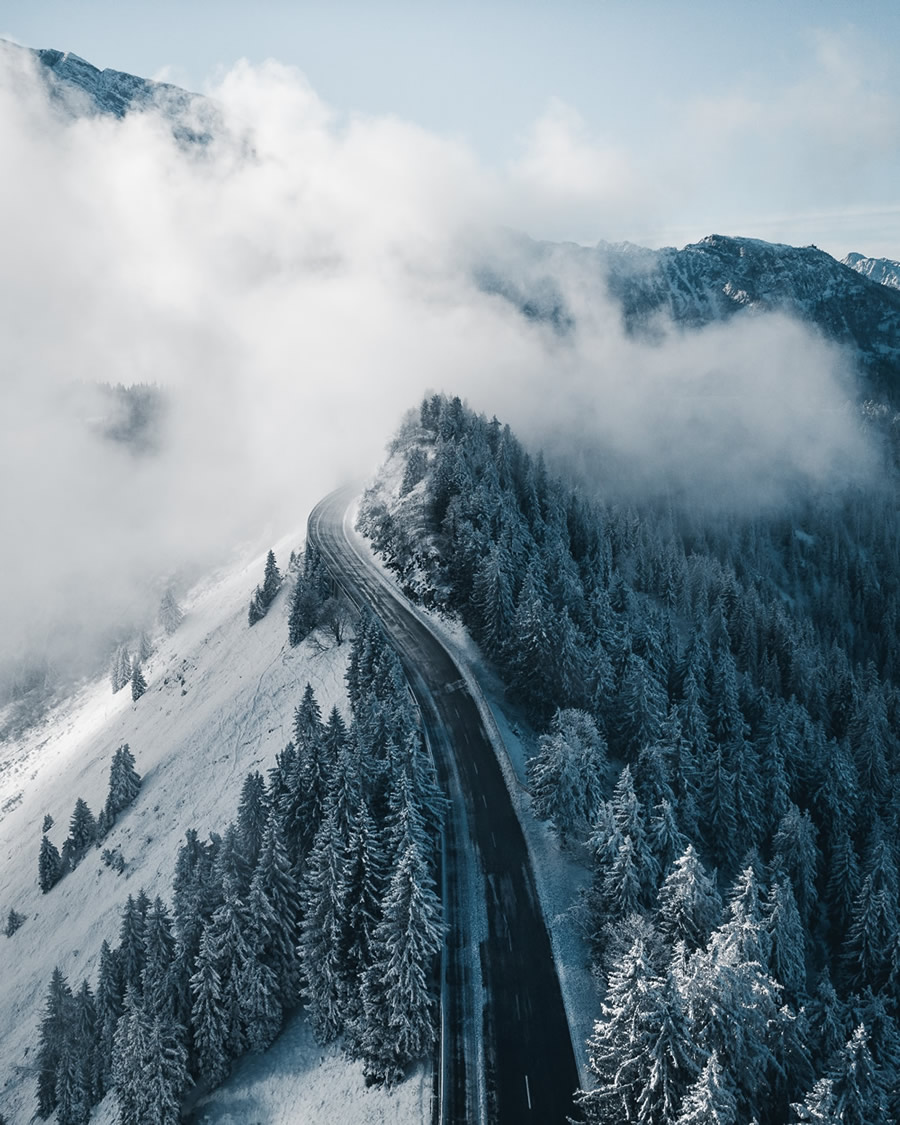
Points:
(399, 1005)
(208, 1022)
(58, 1011)
(710, 1101)
(689, 905)
(49, 865)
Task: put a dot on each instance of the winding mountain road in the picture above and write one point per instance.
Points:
(506, 1054)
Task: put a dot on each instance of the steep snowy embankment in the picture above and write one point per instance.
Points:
(219, 704)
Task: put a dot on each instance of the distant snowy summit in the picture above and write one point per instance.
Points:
(883, 270)
(84, 90)
(855, 303)
(711, 280)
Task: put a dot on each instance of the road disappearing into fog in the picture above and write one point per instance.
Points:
(506, 1053)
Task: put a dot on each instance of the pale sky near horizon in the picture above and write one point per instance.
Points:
(774, 120)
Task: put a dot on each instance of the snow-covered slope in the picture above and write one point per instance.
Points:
(882, 270)
(219, 704)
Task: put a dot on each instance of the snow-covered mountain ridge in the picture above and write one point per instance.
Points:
(856, 302)
(82, 89)
(885, 271)
(711, 280)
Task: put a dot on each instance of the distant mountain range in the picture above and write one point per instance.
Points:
(84, 90)
(855, 302)
(712, 280)
(883, 270)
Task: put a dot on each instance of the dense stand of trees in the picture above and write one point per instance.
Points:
(322, 890)
(739, 675)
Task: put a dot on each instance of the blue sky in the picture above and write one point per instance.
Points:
(657, 121)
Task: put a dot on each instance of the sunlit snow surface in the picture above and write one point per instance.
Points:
(219, 704)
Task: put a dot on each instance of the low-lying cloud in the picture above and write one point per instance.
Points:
(296, 285)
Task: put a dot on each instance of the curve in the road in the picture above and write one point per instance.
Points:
(525, 1070)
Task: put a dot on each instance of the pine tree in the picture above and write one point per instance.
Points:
(131, 942)
(109, 1006)
(566, 775)
(274, 880)
(399, 1006)
(145, 647)
(320, 932)
(124, 783)
(78, 1078)
(251, 818)
(875, 920)
(796, 854)
(859, 1094)
(787, 942)
(271, 580)
(689, 905)
(492, 601)
(817, 1107)
(130, 1057)
(170, 613)
(640, 1053)
(710, 1101)
(138, 683)
(258, 608)
(82, 829)
(208, 1023)
(159, 957)
(641, 707)
(164, 1076)
(229, 928)
(49, 865)
(55, 1025)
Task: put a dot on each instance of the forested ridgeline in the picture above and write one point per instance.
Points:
(740, 673)
(322, 891)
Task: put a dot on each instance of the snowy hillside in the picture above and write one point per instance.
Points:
(220, 702)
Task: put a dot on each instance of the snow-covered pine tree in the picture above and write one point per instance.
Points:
(130, 952)
(273, 879)
(817, 1108)
(566, 775)
(109, 1005)
(49, 865)
(257, 610)
(58, 1010)
(208, 1022)
(82, 829)
(860, 1097)
(689, 906)
(874, 924)
(320, 929)
(787, 939)
(252, 814)
(138, 683)
(399, 1004)
(641, 1052)
(159, 955)
(711, 1100)
(124, 783)
(164, 1077)
(229, 928)
(170, 613)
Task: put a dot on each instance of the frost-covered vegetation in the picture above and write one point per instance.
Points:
(741, 674)
(86, 830)
(322, 891)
